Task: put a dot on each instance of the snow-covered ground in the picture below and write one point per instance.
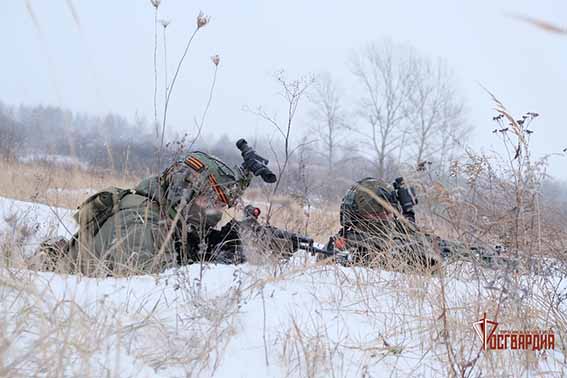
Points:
(26, 224)
(295, 320)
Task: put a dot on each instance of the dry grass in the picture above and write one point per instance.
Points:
(50, 331)
(54, 185)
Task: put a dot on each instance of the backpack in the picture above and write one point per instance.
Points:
(96, 209)
(363, 201)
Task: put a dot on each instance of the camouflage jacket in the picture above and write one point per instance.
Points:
(389, 242)
(132, 239)
(139, 236)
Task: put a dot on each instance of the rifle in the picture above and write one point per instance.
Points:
(226, 244)
(356, 248)
(228, 240)
(487, 256)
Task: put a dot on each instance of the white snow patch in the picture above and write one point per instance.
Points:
(27, 224)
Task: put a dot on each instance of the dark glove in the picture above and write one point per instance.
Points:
(224, 245)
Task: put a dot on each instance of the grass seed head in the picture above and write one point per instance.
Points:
(202, 20)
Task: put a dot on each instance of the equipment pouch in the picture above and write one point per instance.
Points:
(96, 209)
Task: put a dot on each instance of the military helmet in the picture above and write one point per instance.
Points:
(206, 172)
(227, 183)
(365, 201)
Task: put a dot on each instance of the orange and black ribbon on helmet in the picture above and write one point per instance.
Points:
(198, 166)
(194, 163)
(217, 188)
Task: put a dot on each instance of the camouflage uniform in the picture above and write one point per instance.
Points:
(374, 231)
(158, 224)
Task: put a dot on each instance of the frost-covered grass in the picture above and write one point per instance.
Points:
(300, 319)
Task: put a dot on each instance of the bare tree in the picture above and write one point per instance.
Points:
(292, 91)
(435, 112)
(304, 180)
(328, 115)
(384, 71)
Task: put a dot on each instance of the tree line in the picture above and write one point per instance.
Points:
(402, 111)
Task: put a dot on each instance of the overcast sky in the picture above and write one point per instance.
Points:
(102, 60)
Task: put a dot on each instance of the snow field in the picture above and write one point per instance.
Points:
(295, 320)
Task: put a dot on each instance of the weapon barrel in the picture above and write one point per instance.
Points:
(314, 249)
(299, 239)
(340, 257)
